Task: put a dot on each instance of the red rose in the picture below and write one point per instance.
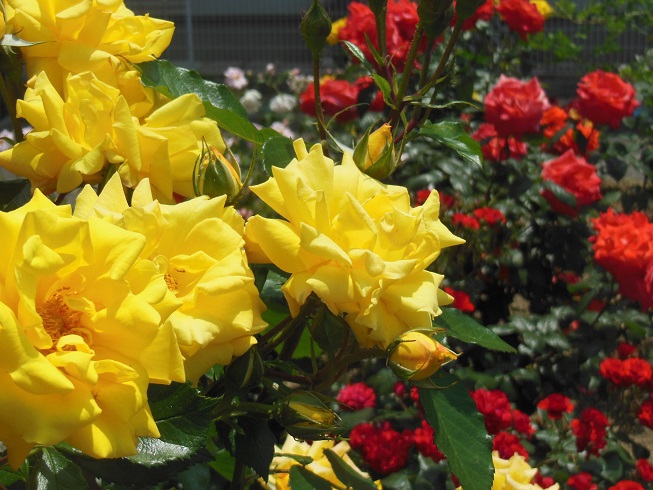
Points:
(339, 97)
(491, 216)
(625, 350)
(645, 413)
(384, 449)
(495, 408)
(515, 107)
(590, 431)
(624, 247)
(555, 405)
(423, 438)
(645, 470)
(401, 21)
(495, 148)
(581, 481)
(466, 221)
(522, 423)
(356, 396)
(543, 481)
(461, 300)
(521, 16)
(605, 98)
(627, 485)
(576, 176)
(507, 445)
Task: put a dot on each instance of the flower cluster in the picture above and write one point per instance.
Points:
(88, 107)
(628, 372)
(556, 405)
(582, 137)
(590, 430)
(354, 242)
(384, 449)
(357, 396)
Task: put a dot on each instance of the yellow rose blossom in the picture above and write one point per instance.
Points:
(354, 242)
(93, 35)
(77, 317)
(198, 246)
(543, 7)
(514, 474)
(279, 479)
(335, 29)
(76, 139)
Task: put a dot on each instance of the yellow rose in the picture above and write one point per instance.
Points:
(76, 139)
(198, 246)
(86, 36)
(320, 465)
(543, 8)
(335, 29)
(418, 356)
(514, 474)
(354, 242)
(77, 316)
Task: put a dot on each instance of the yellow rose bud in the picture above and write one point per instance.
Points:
(375, 153)
(215, 176)
(417, 356)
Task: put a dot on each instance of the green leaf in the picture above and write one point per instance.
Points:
(453, 135)
(13, 194)
(358, 54)
(220, 103)
(560, 193)
(52, 470)
(9, 476)
(277, 151)
(224, 463)
(465, 328)
(255, 445)
(385, 88)
(346, 474)
(460, 433)
(303, 479)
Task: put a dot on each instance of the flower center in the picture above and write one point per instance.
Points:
(172, 283)
(59, 319)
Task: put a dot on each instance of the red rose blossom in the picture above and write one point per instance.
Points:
(590, 431)
(484, 12)
(384, 449)
(645, 413)
(576, 176)
(496, 148)
(624, 247)
(521, 422)
(338, 97)
(605, 98)
(507, 445)
(356, 396)
(469, 222)
(631, 371)
(645, 470)
(627, 485)
(521, 16)
(491, 216)
(514, 107)
(625, 350)
(543, 481)
(461, 300)
(581, 481)
(555, 405)
(423, 438)
(495, 408)
(401, 21)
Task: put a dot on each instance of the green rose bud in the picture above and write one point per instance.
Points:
(315, 28)
(466, 8)
(436, 29)
(215, 176)
(429, 11)
(305, 415)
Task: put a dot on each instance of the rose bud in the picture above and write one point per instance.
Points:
(417, 356)
(215, 176)
(374, 154)
(305, 415)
